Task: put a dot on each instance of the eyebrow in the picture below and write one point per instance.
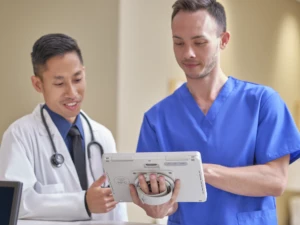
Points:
(194, 37)
(77, 73)
(58, 77)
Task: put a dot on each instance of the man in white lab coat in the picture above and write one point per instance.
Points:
(60, 180)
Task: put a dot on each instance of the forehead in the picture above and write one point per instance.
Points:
(67, 62)
(193, 23)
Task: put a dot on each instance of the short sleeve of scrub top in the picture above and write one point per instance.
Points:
(277, 134)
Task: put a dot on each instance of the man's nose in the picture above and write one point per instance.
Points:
(189, 52)
(71, 91)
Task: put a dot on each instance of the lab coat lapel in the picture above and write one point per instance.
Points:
(58, 142)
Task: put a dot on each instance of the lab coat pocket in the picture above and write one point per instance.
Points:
(50, 188)
(257, 217)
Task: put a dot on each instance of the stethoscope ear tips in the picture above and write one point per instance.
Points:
(57, 160)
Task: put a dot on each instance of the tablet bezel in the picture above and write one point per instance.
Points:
(112, 164)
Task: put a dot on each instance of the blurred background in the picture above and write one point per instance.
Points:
(127, 50)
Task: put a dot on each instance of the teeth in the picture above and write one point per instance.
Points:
(71, 104)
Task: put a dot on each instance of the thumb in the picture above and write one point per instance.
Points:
(134, 195)
(100, 181)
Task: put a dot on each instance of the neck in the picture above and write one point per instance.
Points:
(206, 89)
(71, 119)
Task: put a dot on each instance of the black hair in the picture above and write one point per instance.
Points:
(51, 45)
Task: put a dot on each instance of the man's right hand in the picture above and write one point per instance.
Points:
(156, 211)
(100, 200)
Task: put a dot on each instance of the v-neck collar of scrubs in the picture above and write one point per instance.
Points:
(216, 106)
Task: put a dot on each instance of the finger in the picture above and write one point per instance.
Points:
(153, 182)
(134, 195)
(100, 181)
(111, 204)
(109, 209)
(143, 184)
(105, 191)
(162, 184)
(109, 199)
(175, 192)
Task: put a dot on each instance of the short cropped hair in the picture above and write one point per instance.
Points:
(51, 45)
(214, 8)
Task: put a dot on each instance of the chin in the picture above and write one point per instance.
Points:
(73, 114)
(68, 114)
(196, 76)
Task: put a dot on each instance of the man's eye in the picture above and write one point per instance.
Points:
(60, 84)
(78, 80)
(200, 43)
(178, 44)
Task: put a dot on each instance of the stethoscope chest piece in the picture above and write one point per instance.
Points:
(57, 160)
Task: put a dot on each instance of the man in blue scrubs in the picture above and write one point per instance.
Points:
(244, 131)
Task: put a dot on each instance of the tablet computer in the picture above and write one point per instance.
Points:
(10, 195)
(123, 169)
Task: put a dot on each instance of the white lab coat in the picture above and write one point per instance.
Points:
(51, 193)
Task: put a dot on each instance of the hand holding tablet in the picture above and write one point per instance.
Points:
(123, 169)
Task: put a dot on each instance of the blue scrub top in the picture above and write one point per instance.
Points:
(247, 124)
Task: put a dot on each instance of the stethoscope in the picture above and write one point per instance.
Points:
(58, 159)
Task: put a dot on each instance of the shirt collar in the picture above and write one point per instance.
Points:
(63, 125)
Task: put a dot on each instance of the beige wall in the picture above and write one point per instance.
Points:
(93, 24)
(264, 48)
(145, 63)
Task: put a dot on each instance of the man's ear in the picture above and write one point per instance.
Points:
(225, 37)
(37, 83)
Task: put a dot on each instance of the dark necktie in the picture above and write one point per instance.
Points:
(78, 156)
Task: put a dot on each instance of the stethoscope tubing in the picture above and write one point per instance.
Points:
(57, 159)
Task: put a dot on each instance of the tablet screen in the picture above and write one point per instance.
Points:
(6, 196)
